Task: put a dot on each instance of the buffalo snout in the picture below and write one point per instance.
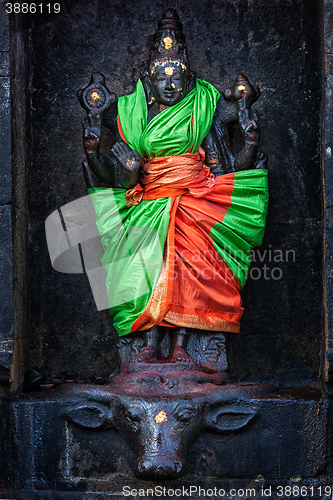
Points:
(166, 468)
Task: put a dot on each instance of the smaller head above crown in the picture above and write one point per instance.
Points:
(169, 41)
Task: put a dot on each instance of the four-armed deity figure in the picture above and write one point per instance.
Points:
(184, 210)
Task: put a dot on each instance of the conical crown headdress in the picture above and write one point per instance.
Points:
(169, 39)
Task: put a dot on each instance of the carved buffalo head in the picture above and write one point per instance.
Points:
(161, 429)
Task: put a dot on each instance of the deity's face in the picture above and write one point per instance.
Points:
(169, 80)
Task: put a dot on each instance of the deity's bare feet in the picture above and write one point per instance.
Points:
(147, 353)
(179, 354)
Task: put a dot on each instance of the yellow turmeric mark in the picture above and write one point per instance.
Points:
(161, 417)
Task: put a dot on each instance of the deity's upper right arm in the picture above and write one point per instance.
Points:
(109, 119)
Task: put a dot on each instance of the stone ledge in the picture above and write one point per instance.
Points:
(278, 443)
(312, 485)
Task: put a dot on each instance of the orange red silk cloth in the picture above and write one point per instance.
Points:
(171, 176)
(196, 288)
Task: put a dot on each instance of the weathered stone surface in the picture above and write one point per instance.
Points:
(4, 64)
(5, 141)
(6, 359)
(328, 26)
(6, 276)
(328, 176)
(4, 28)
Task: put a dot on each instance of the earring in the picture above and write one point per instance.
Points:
(152, 100)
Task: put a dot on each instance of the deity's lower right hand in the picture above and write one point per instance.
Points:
(126, 157)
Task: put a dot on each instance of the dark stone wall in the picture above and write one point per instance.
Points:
(328, 175)
(6, 249)
(5, 165)
(277, 45)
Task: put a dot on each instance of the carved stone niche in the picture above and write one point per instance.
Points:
(276, 433)
(164, 409)
(169, 389)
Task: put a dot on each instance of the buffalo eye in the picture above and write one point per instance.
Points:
(185, 415)
(134, 417)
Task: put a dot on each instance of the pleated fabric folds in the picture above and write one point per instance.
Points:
(178, 245)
